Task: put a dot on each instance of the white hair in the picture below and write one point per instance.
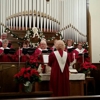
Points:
(4, 41)
(60, 45)
(43, 41)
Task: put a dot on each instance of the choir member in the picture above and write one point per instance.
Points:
(20, 55)
(81, 54)
(42, 46)
(59, 63)
(70, 49)
(37, 56)
(70, 44)
(4, 36)
(3, 56)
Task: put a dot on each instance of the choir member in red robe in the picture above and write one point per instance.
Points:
(79, 54)
(70, 49)
(59, 63)
(37, 56)
(4, 36)
(38, 51)
(20, 56)
(5, 57)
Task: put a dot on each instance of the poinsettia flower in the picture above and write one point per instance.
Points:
(87, 66)
(27, 74)
(93, 67)
(28, 69)
(22, 70)
(17, 75)
(33, 59)
(34, 72)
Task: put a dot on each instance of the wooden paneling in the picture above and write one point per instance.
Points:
(7, 83)
(7, 72)
(96, 75)
(76, 87)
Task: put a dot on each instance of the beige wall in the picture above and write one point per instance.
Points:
(94, 8)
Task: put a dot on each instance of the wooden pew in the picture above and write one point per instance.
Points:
(93, 97)
(13, 95)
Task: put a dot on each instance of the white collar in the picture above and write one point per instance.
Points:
(3, 48)
(80, 51)
(42, 49)
(69, 47)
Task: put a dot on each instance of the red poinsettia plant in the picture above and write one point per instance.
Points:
(33, 62)
(27, 74)
(87, 67)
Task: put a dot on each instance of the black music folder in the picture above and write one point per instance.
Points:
(70, 49)
(9, 51)
(46, 51)
(29, 51)
(84, 54)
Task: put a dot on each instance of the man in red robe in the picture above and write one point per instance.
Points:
(59, 63)
(5, 57)
(37, 56)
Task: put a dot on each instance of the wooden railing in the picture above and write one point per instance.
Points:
(36, 96)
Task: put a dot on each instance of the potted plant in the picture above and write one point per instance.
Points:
(87, 67)
(27, 76)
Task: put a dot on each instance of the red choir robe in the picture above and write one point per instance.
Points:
(6, 57)
(37, 57)
(70, 53)
(80, 59)
(23, 58)
(59, 78)
(37, 54)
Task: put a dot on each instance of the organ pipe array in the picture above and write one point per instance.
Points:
(65, 16)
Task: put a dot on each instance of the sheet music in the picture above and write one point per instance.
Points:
(45, 58)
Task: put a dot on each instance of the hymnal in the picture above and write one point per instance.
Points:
(45, 58)
(29, 51)
(9, 51)
(70, 49)
(55, 49)
(46, 51)
(84, 54)
(73, 70)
